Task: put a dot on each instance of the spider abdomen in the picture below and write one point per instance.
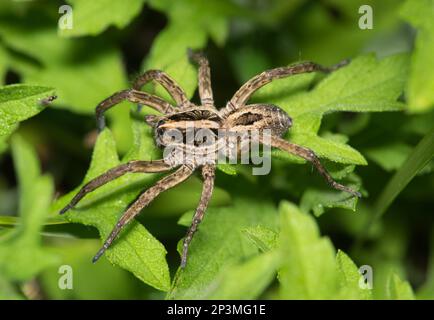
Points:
(259, 117)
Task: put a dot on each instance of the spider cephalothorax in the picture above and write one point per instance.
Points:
(215, 129)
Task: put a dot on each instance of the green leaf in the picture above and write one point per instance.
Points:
(218, 243)
(169, 53)
(365, 85)
(18, 103)
(398, 289)
(392, 156)
(169, 49)
(41, 56)
(264, 238)
(389, 157)
(246, 280)
(349, 278)
(185, 197)
(136, 250)
(21, 254)
(227, 168)
(420, 13)
(308, 268)
(91, 281)
(93, 17)
(318, 200)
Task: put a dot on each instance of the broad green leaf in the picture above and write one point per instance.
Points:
(185, 197)
(93, 17)
(308, 268)
(392, 156)
(246, 280)
(365, 85)
(91, 281)
(324, 37)
(318, 200)
(349, 279)
(219, 243)
(420, 13)
(18, 103)
(83, 71)
(399, 289)
(136, 250)
(169, 50)
(169, 53)
(21, 254)
(264, 238)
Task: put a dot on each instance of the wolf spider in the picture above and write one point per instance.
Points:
(236, 116)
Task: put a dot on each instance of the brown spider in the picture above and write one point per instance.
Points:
(237, 117)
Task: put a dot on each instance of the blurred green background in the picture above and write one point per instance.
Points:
(236, 255)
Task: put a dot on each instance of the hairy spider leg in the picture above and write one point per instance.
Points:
(310, 156)
(180, 175)
(204, 77)
(132, 166)
(208, 173)
(243, 94)
(175, 91)
(133, 96)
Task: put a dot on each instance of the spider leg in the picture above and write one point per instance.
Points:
(204, 76)
(243, 94)
(116, 172)
(175, 91)
(133, 96)
(208, 173)
(309, 155)
(180, 175)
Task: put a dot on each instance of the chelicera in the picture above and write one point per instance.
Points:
(236, 117)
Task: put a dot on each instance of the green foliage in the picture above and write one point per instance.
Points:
(264, 238)
(169, 49)
(137, 251)
(399, 289)
(246, 280)
(416, 161)
(18, 103)
(366, 85)
(248, 246)
(349, 279)
(309, 269)
(21, 254)
(93, 17)
(221, 243)
(100, 281)
(420, 14)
